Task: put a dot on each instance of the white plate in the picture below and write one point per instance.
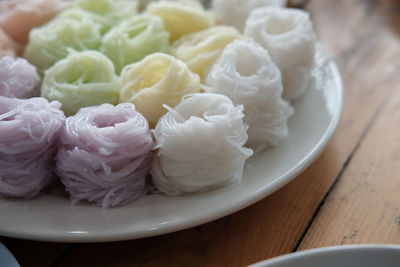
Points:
(6, 258)
(52, 218)
(339, 256)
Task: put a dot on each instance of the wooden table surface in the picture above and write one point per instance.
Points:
(349, 195)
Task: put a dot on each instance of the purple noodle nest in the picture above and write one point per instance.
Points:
(29, 130)
(105, 155)
(18, 78)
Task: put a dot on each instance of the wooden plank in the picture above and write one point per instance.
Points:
(364, 207)
(363, 47)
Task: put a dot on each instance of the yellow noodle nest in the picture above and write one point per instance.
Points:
(181, 17)
(156, 80)
(201, 49)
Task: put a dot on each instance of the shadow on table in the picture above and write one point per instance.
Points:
(390, 11)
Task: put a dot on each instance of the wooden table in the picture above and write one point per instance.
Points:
(350, 195)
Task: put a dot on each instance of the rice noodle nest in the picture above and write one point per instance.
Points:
(29, 130)
(107, 12)
(201, 49)
(246, 74)
(18, 78)
(181, 17)
(105, 155)
(157, 80)
(8, 47)
(288, 36)
(199, 145)
(82, 79)
(51, 42)
(235, 12)
(135, 38)
(19, 17)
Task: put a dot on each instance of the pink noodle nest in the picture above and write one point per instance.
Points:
(18, 17)
(18, 78)
(29, 130)
(8, 47)
(105, 155)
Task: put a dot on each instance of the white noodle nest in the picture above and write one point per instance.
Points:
(246, 74)
(288, 36)
(235, 12)
(200, 145)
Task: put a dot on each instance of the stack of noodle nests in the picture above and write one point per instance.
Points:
(119, 99)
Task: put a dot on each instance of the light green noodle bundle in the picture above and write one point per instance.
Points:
(82, 79)
(50, 43)
(133, 39)
(106, 12)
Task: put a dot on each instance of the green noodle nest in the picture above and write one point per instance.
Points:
(135, 38)
(108, 12)
(50, 43)
(82, 79)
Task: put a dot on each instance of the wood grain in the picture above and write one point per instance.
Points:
(364, 206)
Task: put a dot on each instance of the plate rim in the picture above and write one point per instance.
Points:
(9, 260)
(293, 172)
(325, 250)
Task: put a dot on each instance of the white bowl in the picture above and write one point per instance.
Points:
(339, 256)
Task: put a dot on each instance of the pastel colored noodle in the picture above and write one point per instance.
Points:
(181, 17)
(201, 49)
(19, 17)
(133, 39)
(18, 78)
(200, 145)
(144, 3)
(246, 74)
(235, 12)
(82, 79)
(156, 80)
(50, 43)
(8, 47)
(105, 154)
(108, 13)
(289, 37)
(29, 130)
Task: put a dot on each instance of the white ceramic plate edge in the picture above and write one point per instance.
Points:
(259, 195)
(217, 212)
(324, 251)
